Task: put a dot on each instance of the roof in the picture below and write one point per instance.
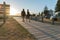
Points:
(6, 4)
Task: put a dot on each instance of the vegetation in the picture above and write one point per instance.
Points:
(46, 11)
(57, 6)
(33, 14)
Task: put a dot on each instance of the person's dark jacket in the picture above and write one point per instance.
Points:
(23, 13)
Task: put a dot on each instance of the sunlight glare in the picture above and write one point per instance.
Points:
(13, 11)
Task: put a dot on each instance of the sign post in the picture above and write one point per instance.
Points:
(4, 4)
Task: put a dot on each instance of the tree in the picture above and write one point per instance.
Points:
(46, 11)
(51, 12)
(57, 6)
(33, 14)
(38, 14)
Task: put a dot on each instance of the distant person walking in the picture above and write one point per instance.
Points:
(23, 14)
(28, 15)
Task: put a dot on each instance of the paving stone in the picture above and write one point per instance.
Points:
(41, 36)
(35, 28)
(58, 35)
(46, 38)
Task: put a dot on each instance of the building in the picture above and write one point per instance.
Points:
(4, 8)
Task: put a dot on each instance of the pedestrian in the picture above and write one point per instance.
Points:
(28, 15)
(23, 14)
(42, 15)
(53, 21)
(54, 18)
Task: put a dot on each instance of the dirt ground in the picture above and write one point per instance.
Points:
(11, 30)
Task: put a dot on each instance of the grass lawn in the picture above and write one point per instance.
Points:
(12, 30)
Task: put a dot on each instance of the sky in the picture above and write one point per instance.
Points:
(35, 6)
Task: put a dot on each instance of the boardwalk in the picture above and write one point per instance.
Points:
(41, 31)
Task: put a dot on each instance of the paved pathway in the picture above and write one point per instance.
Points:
(41, 31)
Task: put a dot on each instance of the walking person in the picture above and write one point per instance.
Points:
(28, 15)
(53, 21)
(23, 14)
